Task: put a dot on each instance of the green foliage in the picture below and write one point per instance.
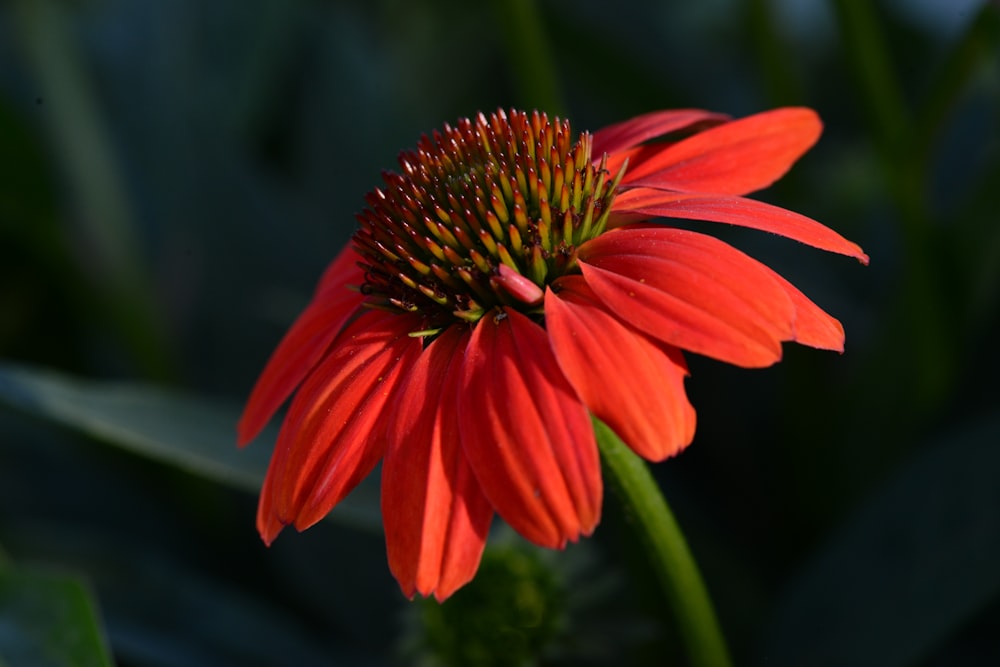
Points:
(48, 619)
(194, 434)
(511, 616)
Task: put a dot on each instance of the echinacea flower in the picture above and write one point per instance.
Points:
(503, 287)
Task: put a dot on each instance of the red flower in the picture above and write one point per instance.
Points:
(498, 293)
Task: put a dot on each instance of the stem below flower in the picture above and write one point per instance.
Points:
(666, 547)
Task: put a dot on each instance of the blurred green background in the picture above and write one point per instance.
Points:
(175, 174)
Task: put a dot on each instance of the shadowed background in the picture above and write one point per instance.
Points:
(175, 175)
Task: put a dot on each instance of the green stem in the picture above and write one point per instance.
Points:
(110, 251)
(972, 53)
(530, 55)
(921, 307)
(667, 549)
(775, 63)
(866, 46)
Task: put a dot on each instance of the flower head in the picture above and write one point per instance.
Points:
(503, 287)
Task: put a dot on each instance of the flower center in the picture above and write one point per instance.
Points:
(484, 214)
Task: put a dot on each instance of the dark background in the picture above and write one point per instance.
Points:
(175, 175)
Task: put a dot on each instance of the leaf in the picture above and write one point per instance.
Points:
(915, 564)
(970, 55)
(48, 619)
(166, 608)
(195, 434)
(200, 622)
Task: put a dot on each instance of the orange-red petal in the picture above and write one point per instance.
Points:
(526, 434)
(343, 270)
(436, 517)
(736, 211)
(268, 523)
(811, 325)
(628, 381)
(304, 344)
(331, 438)
(691, 291)
(733, 158)
(614, 139)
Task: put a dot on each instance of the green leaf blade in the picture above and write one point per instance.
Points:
(195, 434)
(49, 619)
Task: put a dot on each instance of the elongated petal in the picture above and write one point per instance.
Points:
(736, 211)
(330, 439)
(811, 325)
(734, 158)
(435, 515)
(691, 291)
(343, 270)
(268, 523)
(632, 384)
(632, 132)
(304, 344)
(526, 433)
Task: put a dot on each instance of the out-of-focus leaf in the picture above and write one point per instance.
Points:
(97, 190)
(196, 434)
(918, 561)
(159, 611)
(25, 191)
(975, 51)
(48, 619)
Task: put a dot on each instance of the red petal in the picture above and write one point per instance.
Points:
(331, 438)
(343, 270)
(519, 286)
(736, 211)
(268, 524)
(812, 326)
(691, 291)
(734, 158)
(436, 518)
(632, 384)
(634, 131)
(304, 344)
(526, 433)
